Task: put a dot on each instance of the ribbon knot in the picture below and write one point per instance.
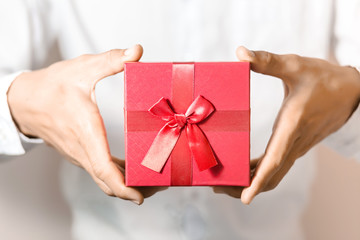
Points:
(166, 139)
(180, 119)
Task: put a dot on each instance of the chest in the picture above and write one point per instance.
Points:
(184, 30)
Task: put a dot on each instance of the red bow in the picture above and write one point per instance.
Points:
(169, 134)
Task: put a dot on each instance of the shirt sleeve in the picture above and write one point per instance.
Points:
(12, 142)
(346, 44)
(27, 33)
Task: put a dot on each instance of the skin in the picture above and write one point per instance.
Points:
(319, 97)
(67, 117)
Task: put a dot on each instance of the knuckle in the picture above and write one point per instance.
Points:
(57, 65)
(103, 187)
(268, 58)
(108, 192)
(293, 63)
(294, 58)
(100, 171)
(276, 165)
(120, 193)
(275, 162)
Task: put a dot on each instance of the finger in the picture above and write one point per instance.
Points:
(99, 66)
(150, 191)
(254, 162)
(253, 165)
(99, 182)
(279, 175)
(281, 66)
(75, 153)
(145, 191)
(300, 147)
(112, 62)
(105, 169)
(119, 162)
(280, 143)
(232, 191)
(235, 191)
(85, 164)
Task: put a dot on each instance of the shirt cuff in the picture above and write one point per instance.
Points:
(346, 141)
(12, 141)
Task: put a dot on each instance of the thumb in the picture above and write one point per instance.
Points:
(112, 62)
(281, 66)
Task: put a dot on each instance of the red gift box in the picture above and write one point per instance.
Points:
(187, 124)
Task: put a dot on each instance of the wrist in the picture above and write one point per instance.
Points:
(354, 79)
(18, 97)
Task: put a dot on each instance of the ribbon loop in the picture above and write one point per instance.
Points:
(165, 141)
(199, 110)
(162, 109)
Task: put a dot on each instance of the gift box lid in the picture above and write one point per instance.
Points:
(225, 84)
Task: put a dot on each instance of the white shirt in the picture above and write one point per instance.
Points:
(34, 31)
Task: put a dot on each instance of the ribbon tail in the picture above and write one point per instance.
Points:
(161, 148)
(200, 148)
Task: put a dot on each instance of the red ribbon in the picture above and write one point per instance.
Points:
(167, 137)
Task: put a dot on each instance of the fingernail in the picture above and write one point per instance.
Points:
(137, 202)
(251, 53)
(130, 51)
(245, 198)
(245, 54)
(249, 200)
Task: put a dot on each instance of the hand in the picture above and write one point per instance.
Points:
(319, 98)
(58, 105)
